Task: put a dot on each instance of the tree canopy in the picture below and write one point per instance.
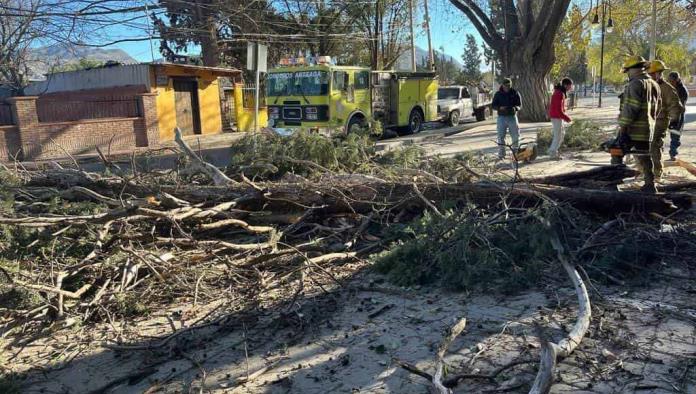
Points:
(522, 35)
(676, 26)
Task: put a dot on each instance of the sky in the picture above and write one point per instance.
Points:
(448, 29)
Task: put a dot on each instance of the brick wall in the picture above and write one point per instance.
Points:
(47, 140)
(10, 146)
(149, 121)
(52, 140)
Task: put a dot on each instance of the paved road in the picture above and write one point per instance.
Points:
(216, 149)
(482, 138)
(439, 140)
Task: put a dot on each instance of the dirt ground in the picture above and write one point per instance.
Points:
(642, 339)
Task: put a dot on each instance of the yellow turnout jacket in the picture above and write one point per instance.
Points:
(640, 104)
(671, 107)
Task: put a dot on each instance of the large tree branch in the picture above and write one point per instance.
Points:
(554, 23)
(480, 20)
(546, 25)
(527, 15)
(512, 25)
(535, 31)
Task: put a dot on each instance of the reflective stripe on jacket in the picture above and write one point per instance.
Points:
(640, 104)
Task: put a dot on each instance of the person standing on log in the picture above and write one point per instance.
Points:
(668, 116)
(674, 79)
(640, 103)
(507, 102)
(558, 115)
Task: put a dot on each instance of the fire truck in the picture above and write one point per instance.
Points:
(317, 95)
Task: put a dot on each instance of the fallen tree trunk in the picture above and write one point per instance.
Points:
(362, 197)
(604, 175)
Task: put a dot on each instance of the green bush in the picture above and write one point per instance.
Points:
(467, 251)
(580, 135)
(255, 154)
(409, 156)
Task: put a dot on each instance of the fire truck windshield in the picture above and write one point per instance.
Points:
(307, 83)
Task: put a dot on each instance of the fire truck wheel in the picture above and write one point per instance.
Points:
(415, 121)
(355, 125)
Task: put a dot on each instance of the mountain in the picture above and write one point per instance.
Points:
(44, 59)
(404, 62)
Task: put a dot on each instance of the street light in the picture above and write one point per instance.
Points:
(607, 27)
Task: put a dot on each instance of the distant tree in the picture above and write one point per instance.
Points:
(383, 25)
(492, 60)
(572, 44)
(190, 22)
(631, 34)
(82, 64)
(471, 69)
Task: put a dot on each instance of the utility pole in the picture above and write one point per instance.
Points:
(653, 38)
(601, 55)
(413, 37)
(431, 58)
(378, 36)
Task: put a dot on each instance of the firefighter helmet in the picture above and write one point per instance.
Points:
(635, 61)
(657, 66)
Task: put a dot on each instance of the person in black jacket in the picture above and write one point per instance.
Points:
(507, 102)
(675, 132)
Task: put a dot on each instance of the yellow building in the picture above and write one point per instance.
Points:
(188, 97)
(185, 96)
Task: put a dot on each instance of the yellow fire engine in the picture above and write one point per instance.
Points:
(317, 95)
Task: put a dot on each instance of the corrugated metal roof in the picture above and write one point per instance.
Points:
(95, 78)
(215, 70)
(114, 76)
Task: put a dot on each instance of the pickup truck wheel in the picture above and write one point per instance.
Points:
(454, 117)
(480, 114)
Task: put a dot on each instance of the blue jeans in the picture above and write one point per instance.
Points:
(505, 123)
(675, 139)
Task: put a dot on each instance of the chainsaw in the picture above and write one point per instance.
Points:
(526, 152)
(617, 147)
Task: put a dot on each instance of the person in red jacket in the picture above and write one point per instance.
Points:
(557, 113)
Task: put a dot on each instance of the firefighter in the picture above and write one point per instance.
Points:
(668, 116)
(640, 103)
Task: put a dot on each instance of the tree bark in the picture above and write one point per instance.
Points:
(362, 197)
(533, 89)
(603, 176)
(210, 50)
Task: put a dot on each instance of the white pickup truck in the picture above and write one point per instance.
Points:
(457, 103)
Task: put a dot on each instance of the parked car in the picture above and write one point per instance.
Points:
(458, 102)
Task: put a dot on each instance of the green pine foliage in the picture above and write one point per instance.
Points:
(580, 135)
(471, 250)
